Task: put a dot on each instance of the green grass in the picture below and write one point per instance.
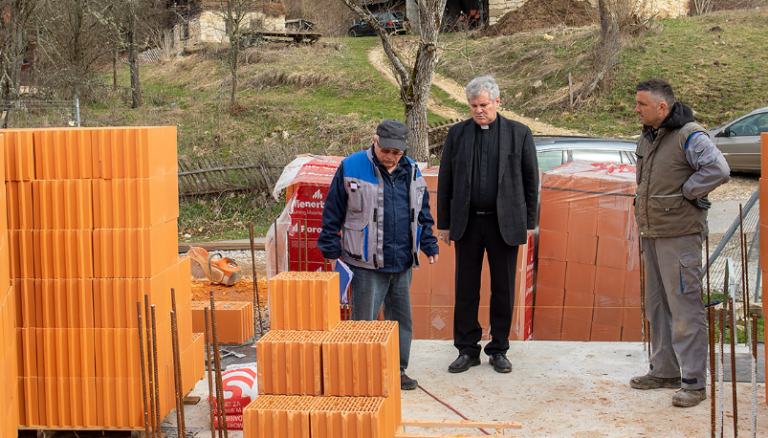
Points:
(718, 73)
(304, 99)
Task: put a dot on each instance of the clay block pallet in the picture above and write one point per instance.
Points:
(234, 320)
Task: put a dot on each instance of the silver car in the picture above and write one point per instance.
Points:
(552, 151)
(739, 140)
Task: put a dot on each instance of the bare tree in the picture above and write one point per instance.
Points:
(15, 16)
(133, 55)
(701, 7)
(415, 80)
(618, 18)
(240, 16)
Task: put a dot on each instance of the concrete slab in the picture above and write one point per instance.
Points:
(556, 389)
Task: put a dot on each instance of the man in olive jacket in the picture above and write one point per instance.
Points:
(487, 201)
(677, 167)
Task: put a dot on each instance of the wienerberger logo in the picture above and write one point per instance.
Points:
(307, 204)
(318, 195)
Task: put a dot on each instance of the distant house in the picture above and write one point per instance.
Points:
(202, 21)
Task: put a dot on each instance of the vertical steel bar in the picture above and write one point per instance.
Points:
(306, 245)
(210, 369)
(713, 389)
(721, 373)
(256, 298)
(143, 372)
(150, 370)
(277, 262)
(177, 362)
(219, 384)
(734, 340)
(754, 376)
(156, 371)
(746, 280)
(743, 250)
(176, 383)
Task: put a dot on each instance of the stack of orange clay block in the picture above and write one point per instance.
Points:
(9, 369)
(234, 320)
(92, 226)
(764, 225)
(319, 377)
(588, 283)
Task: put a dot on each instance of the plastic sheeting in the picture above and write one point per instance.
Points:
(588, 279)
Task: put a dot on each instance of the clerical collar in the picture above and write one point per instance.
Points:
(485, 126)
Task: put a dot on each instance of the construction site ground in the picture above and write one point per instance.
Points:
(556, 389)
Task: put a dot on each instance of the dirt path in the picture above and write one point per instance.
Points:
(378, 59)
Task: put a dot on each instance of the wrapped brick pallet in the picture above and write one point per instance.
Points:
(588, 282)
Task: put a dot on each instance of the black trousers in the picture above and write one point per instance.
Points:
(483, 235)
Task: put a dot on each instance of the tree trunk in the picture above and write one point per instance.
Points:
(133, 59)
(114, 70)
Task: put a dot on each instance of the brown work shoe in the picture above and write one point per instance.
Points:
(688, 398)
(650, 382)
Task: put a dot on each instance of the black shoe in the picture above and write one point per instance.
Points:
(500, 363)
(462, 363)
(406, 383)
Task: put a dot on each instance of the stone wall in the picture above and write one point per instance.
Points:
(660, 8)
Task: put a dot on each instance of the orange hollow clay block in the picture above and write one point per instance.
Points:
(357, 417)
(361, 364)
(63, 154)
(65, 204)
(276, 416)
(234, 320)
(135, 252)
(304, 301)
(144, 152)
(290, 363)
(135, 203)
(19, 155)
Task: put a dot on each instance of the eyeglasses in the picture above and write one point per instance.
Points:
(395, 152)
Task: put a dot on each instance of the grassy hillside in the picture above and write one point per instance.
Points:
(320, 99)
(717, 64)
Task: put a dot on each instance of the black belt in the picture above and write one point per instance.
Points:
(484, 213)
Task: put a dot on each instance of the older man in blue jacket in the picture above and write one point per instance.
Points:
(379, 202)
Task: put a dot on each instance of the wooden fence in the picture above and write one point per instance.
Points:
(255, 170)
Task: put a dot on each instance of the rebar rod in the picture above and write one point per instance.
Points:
(742, 249)
(306, 245)
(734, 339)
(712, 391)
(277, 262)
(150, 370)
(177, 364)
(754, 376)
(208, 347)
(746, 280)
(143, 372)
(219, 384)
(256, 298)
(156, 371)
(176, 384)
(721, 372)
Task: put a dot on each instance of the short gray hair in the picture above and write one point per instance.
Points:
(481, 84)
(659, 89)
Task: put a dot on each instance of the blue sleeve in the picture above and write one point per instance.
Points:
(334, 212)
(428, 241)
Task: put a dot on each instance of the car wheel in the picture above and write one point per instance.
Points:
(352, 33)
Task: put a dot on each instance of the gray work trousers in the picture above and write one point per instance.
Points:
(673, 273)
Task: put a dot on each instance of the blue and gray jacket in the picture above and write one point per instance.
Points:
(383, 219)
